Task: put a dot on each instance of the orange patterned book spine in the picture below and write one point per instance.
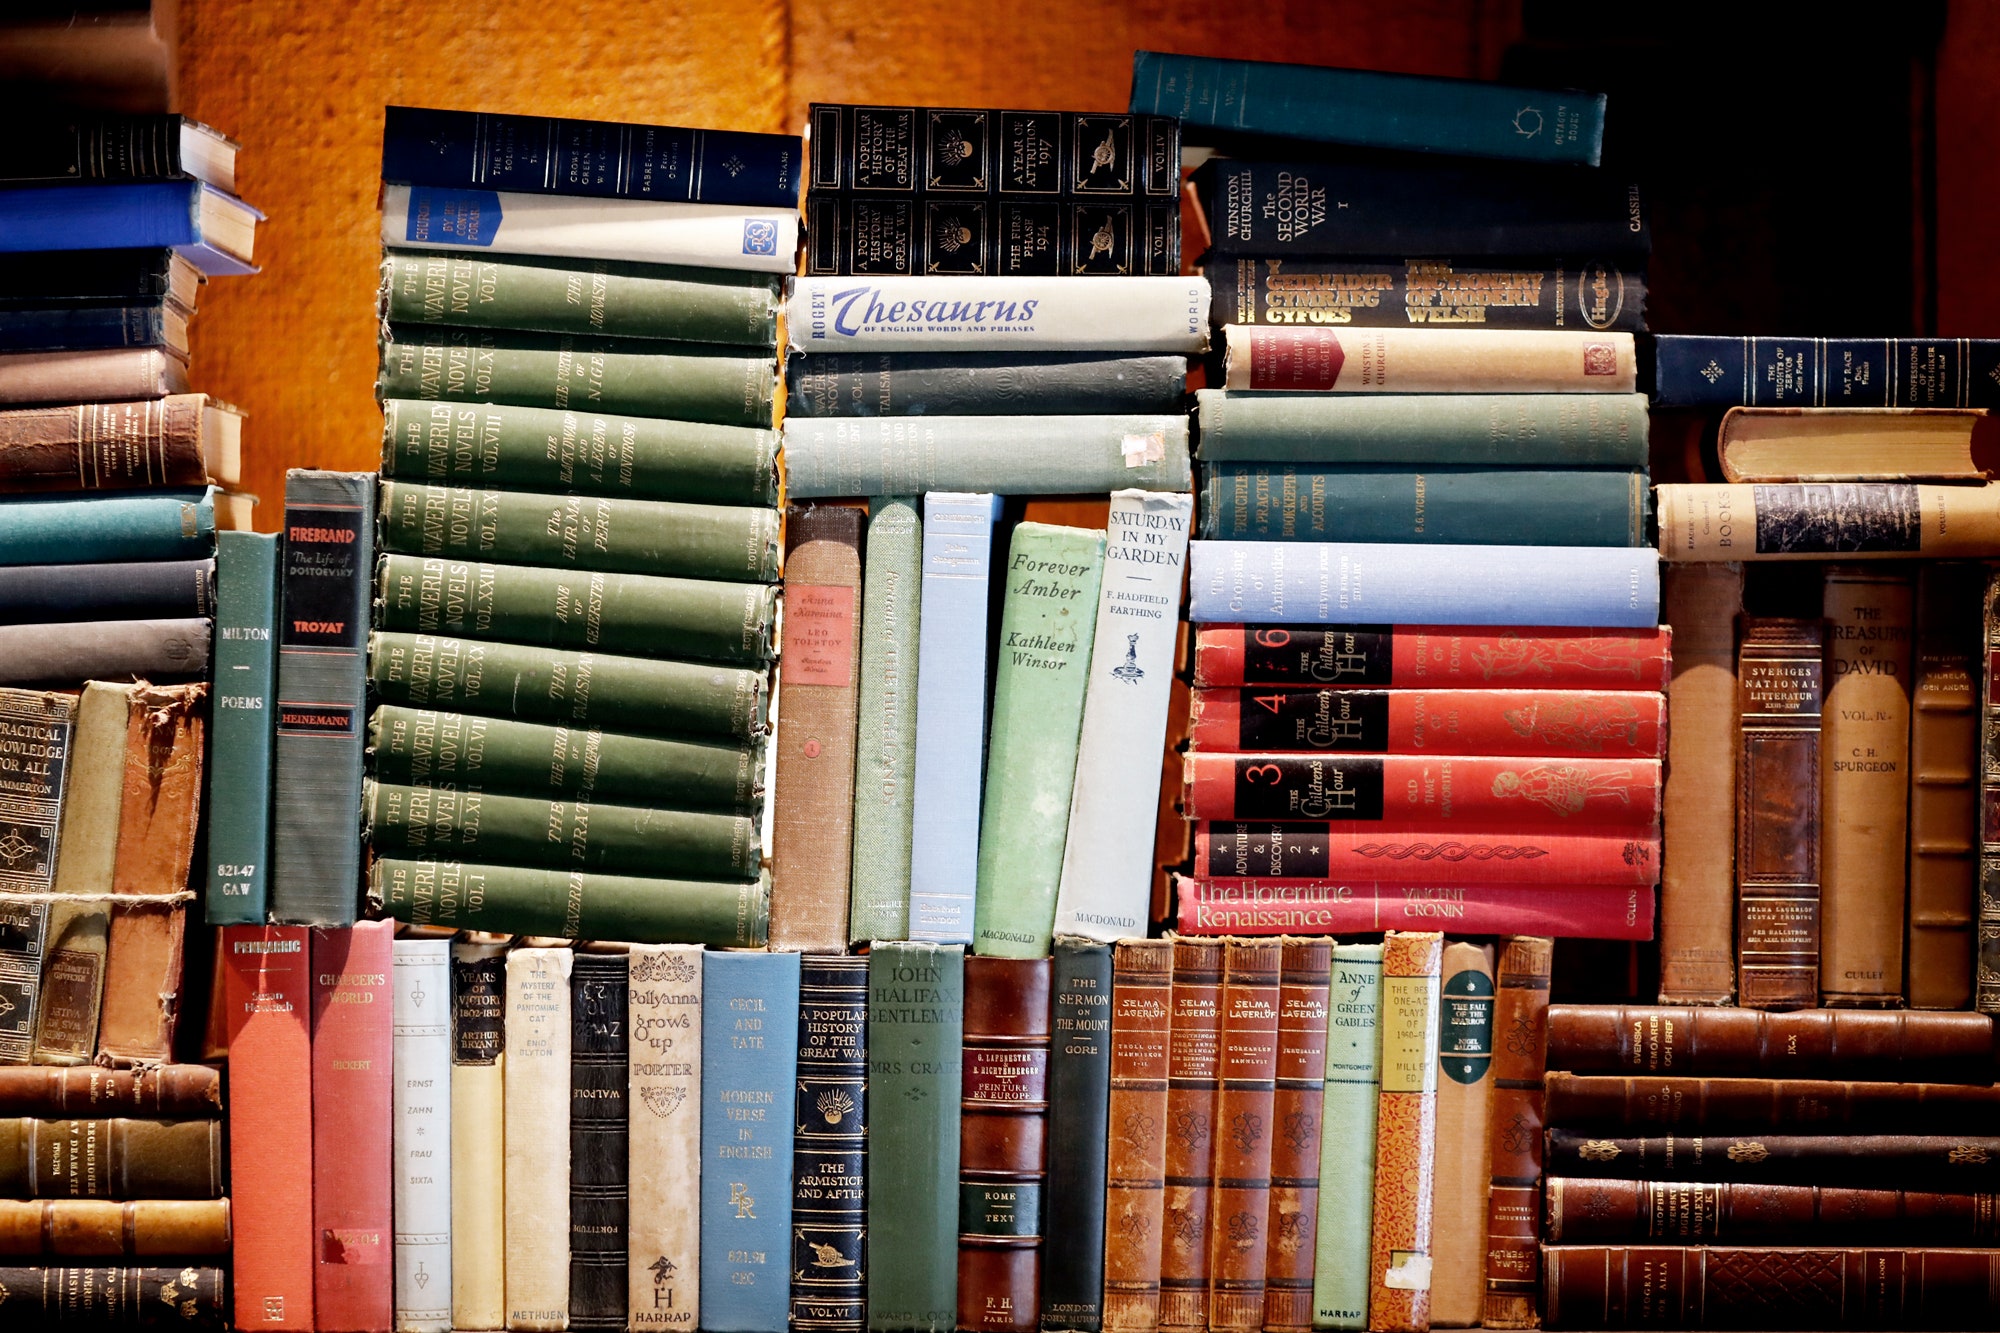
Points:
(1399, 1264)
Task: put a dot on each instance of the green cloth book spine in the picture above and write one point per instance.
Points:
(533, 370)
(576, 835)
(885, 751)
(621, 613)
(424, 748)
(842, 456)
(239, 791)
(551, 449)
(79, 919)
(1347, 1138)
(572, 904)
(916, 1028)
(1446, 506)
(1046, 624)
(572, 688)
(600, 298)
(1547, 430)
(734, 543)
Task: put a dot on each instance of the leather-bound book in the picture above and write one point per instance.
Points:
(1399, 1260)
(1291, 1230)
(1865, 802)
(1003, 1143)
(1743, 1043)
(1619, 1287)
(1192, 1056)
(812, 797)
(1655, 1104)
(1944, 791)
(111, 1159)
(1464, 1127)
(180, 1297)
(1514, 1154)
(102, 1229)
(167, 1092)
(353, 1082)
(1631, 1212)
(1697, 867)
(1079, 1092)
(1778, 691)
(1986, 954)
(1136, 1150)
(598, 1127)
(1239, 1202)
(1959, 1163)
(830, 1148)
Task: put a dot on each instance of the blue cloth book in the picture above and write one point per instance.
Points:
(87, 326)
(749, 1062)
(205, 226)
(1358, 583)
(61, 529)
(1826, 372)
(1368, 109)
(951, 714)
(245, 660)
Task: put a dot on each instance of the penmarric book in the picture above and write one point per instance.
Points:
(1497, 430)
(886, 721)
(970, 314)
(1401, 1255)
(599, 1186)
(1352, 1099)
(239, 791)
(1009, 455)
(1497, 293)
(537, 1138)
(1825, 372)
(478, 1132)
(35, 771)
(353, 1038)
(421, 1142)
(1136, 1115)
(1301, 358)
(1327, 719)
(829, 1251)
(210, 228)
(663, 1235)
(1081, 1019)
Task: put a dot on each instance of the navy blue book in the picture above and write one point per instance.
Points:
(79, 327)
(597, 158)
(141, 525)
(749, 1066)
(212, 230)
(982, 384)
(111, 277)
(1826, 372)
(152, 590)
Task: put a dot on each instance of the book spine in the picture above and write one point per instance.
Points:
(1359, 583)
(1003, 1143)
(1944, 793)
(830, 1148)
(663, 1235)
(1825, 372)
(990, 235)
(35, 769)
(812, 785)
(112, 1159)
(29, 379)
(112, 216)
(1848, 520)
(76, 935)
(593, 158)
(598, 299)
(159, 1091)
(951, 716)
(978, 384)
(267, 988)
(1464, 1122)
(104, 650)
(478, 1134)
(1135, 1157)
(421, 1196)
(916, 1024)
(1551, 723)
(1955, 1163)
(1864, 803)
(141, 590)
(564, 450)
(1339, 907)
(749, 1059)
(104, 276)
(322, 678)
(726, 236)
(1986, 919)
(598, 1133)
(638, 613)
(1246, 1086)
(1624, 1212)
(1009, 455)
(1495, 293)
(72, 328)
(1034, 154)
(1296, 359)
(1446, 506)
(1322, 855)
(143, 971)
(96, 148)
(1107, 867)
(1698, 869)
(104, 446)
(575, 688)
(1193, 1062)
(1046, 626)
(1547, 430)
(1513, 1197)
(1648, 1103)
(946, 314)
(101, 1229)
(886, 722)
(536, 1186)
(239, 792)
(419, 747)
(1291, 1236)
(1380, 792)
(1644, 1039)
(353, 1095)
(582, 532)
(1400, 1259)
(572, 904)
(462, 368)
(1778, 926)
(1415, 656)
(1080, 1062)
(97, 1298)
(109, 527)
(1353, 1088)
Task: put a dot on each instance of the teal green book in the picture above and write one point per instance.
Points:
(1043, 665)
(240, 728)
(1353, 1084)
(891, 580)
(1548, 430)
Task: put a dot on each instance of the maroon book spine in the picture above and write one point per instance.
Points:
(353, 1035)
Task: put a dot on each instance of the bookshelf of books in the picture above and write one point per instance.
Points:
(997, 719)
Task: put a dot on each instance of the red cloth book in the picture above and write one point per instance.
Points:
(352, 1090)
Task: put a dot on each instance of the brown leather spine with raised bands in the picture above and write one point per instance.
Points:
(101, 1229)
(1246, 1086)
(1520, 1052)
(1744, 1043)
(1292, 1229)
(1618, 1212)
(1003, 1150)
(1136, 1160)
(1779, 691)
(1944, 784)
(1952, 1163)
(1698, 857)
(173, 1092)
(1650, 1104)
(1194, 1035)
